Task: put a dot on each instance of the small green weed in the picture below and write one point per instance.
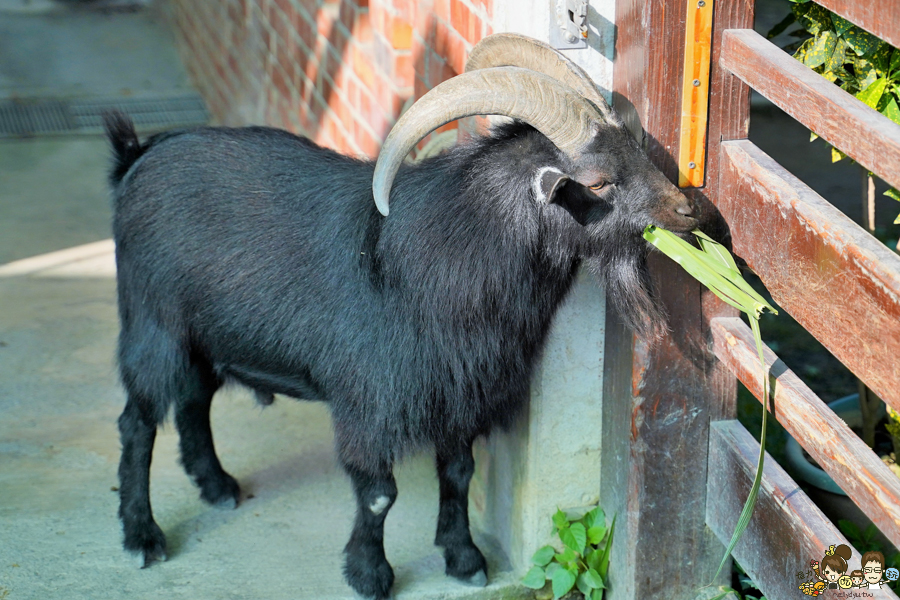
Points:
(584, 560)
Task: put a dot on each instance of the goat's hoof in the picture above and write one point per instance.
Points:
(369, 574)
(479, 579)
(144, 560)
(466, 563)
(221, 492)
(148, 546)
(359, 596)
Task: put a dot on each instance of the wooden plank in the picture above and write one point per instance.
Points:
(879, 17)
(695, 93)
(649, 42)
(787, 530)
(868, 137)
(843, 455)
(838, 281)
(667, 392)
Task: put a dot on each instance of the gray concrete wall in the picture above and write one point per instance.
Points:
(551, 458)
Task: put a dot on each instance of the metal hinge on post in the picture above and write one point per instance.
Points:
(568, 24)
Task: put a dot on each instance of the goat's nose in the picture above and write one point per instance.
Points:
(685, 210)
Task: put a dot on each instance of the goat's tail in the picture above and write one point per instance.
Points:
(125, 144)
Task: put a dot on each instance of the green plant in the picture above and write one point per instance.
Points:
(893, 429)
(748, 588)
(857, 61)
(584, 560)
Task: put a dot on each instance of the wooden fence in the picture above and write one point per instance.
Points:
(690, 464)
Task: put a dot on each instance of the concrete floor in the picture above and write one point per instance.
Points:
(60, 398)
(58, 453)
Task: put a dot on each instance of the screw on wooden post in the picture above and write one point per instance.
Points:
(695, 94)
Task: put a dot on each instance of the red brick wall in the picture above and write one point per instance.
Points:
(338, 71)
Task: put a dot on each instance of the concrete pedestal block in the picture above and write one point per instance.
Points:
(551, 458)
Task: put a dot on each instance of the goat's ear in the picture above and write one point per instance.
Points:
(547, 182)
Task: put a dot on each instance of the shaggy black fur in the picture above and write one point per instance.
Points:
(255, 256)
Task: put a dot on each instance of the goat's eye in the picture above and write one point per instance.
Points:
(600, 186)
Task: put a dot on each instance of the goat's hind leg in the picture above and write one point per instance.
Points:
(198, 455)
(464, 561)
(137, 427)
(365, 567)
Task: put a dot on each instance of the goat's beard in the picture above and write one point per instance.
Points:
(630, 289)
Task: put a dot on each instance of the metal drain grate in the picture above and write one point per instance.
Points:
(40, 117)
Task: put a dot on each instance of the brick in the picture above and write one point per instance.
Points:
(457, 52)
(421, 88)
(234, 15)
(404, 72)
(376, 16)
(369, 145)
(435, 68)
(305, 29)
(362, 28)
(390, 98)
(448, 127)
(285, 58)
(266, 34)
(420, 57)
(311, 70)
(351, 90)
(280, 82)
(347, 13)
(464, 21)
(398, 32)
(285, 6)
(362, 66)
(325, 18)
(308, 6)
(233, 65)
(327, 88)
(373, 114)
(333, 130)
(459, 16)
(342, 77)
(342, 110)
(406, 9)
(441, 43)
(339, 38)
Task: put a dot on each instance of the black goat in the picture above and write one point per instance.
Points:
(253, 255)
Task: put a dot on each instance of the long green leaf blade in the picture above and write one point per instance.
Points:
(715, 268)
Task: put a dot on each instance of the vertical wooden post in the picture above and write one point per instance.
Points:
(659, 400)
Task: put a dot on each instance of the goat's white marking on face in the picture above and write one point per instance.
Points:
(537, 186)
(379, 505)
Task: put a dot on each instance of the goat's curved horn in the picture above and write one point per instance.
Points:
(554, 109)
(512, 49)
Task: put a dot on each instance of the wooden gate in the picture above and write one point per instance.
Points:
(690, 464)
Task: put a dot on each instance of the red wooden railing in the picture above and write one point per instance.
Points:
(837, 280)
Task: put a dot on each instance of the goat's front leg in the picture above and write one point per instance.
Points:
(455, 466)
(366, 568)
